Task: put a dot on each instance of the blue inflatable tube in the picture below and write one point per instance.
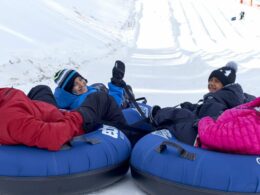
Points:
(90, 162)
(133, 117)
(140, 125)
(160, 164)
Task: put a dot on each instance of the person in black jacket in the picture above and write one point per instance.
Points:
(223, 94)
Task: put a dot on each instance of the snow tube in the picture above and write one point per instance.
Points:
(90, 162)
(160, 164)
(134, 119)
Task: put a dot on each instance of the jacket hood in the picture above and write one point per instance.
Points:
(231, 94)
(69, 101)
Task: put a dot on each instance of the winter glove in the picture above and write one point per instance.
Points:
(188, 105)
(118, 71)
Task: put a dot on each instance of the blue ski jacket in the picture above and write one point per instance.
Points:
(69, 101)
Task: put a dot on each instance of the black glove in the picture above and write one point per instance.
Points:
(187, 105)
(118, 71)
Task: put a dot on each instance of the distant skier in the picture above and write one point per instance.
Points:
(242, 15)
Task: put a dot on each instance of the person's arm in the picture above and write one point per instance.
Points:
(188, 105)
(214, 134)
(211, 108)
(31, 131)
(235, 130)
(248, 97)
(117, 93)
(216, 103)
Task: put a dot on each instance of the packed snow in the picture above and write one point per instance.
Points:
(169, 47)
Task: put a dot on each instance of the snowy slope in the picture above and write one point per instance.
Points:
(40, 37)
(169, 46)
(192, 38)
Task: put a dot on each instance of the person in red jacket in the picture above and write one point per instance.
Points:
(43, 125)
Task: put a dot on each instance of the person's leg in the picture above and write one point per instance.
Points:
(127, 98)
(179, 121)
(99, 107)
(42, 93)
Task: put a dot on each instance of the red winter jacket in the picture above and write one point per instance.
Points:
(236, 130)
(35, 123)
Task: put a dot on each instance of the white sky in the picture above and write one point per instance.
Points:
(169, 46)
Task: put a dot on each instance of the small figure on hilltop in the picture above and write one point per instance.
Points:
(242, 15)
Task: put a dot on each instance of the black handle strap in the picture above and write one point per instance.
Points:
(80, 138)
(183, 153)
(141, 99)
(132, 99)
(84, 139)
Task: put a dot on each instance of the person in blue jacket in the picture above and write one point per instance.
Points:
(223, 94)
(72, 88)
(72, 91)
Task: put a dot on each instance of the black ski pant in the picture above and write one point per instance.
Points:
(180, 122)
(98, 108)
(42, 93)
